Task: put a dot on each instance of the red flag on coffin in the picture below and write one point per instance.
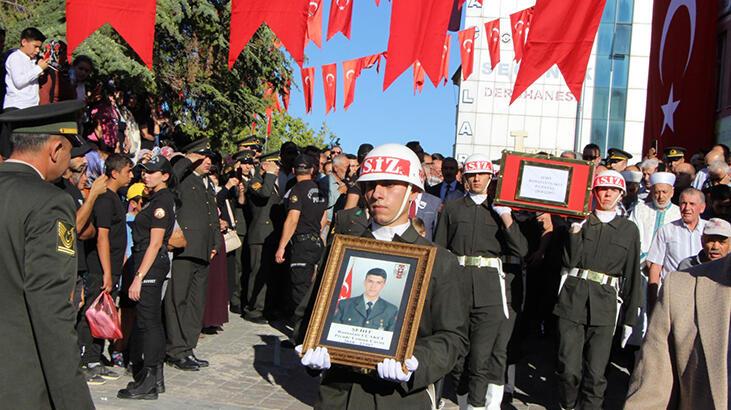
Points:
(134, 20)
(341, 12)
(467, 51)
(347, 287)
(445, 59)
(520, 23)
(567, 44)
(418, 78)
(314, 23)
(492, 33)
(330, 81)
(308, 86)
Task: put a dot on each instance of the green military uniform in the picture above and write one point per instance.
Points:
(38, 346)
(468, 229)
(351, 222)
(355, 312)
(587, 310)
(441, 340)
(242, 218)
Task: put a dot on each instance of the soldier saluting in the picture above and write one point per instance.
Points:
(601, 276)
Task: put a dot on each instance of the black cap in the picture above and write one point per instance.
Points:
(158, 163)
(81, 150)
(201, 146)
(616, 154)
(304, 161)
(378, 272)
(272, 156)
(54, 119)
(674, 152)
(363, 150)
(244, 157)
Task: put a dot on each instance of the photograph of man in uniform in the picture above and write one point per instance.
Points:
(368, 310)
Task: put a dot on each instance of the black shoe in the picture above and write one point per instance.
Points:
(212, 330)
(201, 362)
(235, 309)
(286, 344)
(254, 318)
(144, 389)
(184, 364)
(160, 380)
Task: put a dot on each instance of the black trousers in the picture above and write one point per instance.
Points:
(261, 259)
(185, 302)
(147, 341)
(583, 355)
(304, 256)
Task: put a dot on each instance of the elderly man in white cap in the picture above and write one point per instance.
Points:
(657, 211)
(716, 244)
(633, 178)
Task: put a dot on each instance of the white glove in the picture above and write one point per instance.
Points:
(501, 210)
(626, 333)
(318, 359)
(391, 370)
(576, 226)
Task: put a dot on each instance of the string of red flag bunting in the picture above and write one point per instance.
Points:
(416, 38)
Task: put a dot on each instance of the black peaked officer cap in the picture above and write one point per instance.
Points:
(158, 163)
(304, 161)
(81, 150)
(674, 152)
(616, 154)
(244, 157)
(378, 272)
(271, 157)
(201, 146)
(54, 119)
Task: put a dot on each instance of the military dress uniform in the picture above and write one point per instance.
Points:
(601, 265)
(475, 233)
(186, 293)
(242, 218)
(355, 311)
(38, 346)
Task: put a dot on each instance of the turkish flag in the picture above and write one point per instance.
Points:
(347, 286)
(134, 20)
(341, 12)
(682, 79)
(308, 86)
(351, 71)
(286, 18)
(520, 23)
(461, 3)
(269, 113)
(445, 59)
(286, 94)
(417, 33)
(492, 32)
(467, 51)
(314, 23)
(567, 44)
(370, 61)
(330, 79)
(418, 77)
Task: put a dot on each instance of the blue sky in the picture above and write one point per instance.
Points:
(378, 117)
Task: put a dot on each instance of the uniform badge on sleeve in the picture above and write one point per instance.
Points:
(66, 238)
(293, 199)
(256, 186)
(159, 213)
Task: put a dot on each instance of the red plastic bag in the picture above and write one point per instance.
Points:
(103, 318)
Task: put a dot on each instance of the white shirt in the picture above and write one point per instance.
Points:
(700, 178)
(673, 243)
(649, 220)
(478, 198)
(21, 81)
(386, 233)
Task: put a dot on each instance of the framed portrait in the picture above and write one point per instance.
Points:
(370, 301)
(545, 183)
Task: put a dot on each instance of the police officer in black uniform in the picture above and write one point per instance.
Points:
(150, 234)
(244, 170)
(306, 206)
(480, 234)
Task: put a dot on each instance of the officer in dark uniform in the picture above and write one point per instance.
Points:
(38, 350)
(250, 143)
(262, 195)
(480, 235)
(442, 334)
(197, 215)
(673, 156)
(600, 279)
(368, 310)
(353, 222)
(244, 170)
(617, 159)
(306, 206)
(151, 231)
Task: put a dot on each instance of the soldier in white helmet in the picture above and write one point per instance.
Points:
(601, 276)
(391, 177)
(480, 234)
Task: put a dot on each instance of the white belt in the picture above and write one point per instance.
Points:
(597, 277)
(495, 263)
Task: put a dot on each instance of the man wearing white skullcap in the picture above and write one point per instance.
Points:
(633, 178)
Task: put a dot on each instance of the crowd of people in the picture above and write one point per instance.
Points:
(181, 235)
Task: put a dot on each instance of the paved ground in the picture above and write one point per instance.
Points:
(249, 371)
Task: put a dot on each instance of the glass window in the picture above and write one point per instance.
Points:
(610, 12)
(603, 71)
(618, 110)
(625, 11)
(604, 39)
(621, 72)
(616, 134)
(621, 41)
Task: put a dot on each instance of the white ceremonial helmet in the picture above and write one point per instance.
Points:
(392, 162)
(478, 164)
(610, 179)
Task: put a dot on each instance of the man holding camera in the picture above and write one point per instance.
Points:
(22, 71)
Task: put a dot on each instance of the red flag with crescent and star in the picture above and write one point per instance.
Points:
(520, 23)
(567, 44)
(444, 74)
(492, 32)
(467, 51)
(417, 33)
(330, 81)
(308, 86)
(314, 23)
(286, 18)
(347, 287)
(134, 20)
(341, 12)
(351, 71)
(418, 78)
(682, 80)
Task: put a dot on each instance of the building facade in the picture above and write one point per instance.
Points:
(723, 99)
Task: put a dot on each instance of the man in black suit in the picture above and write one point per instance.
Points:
(450, 188)
(197, 215)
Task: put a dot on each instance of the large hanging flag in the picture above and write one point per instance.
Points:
(417, 33)
(134, 20)
(492, 33)
(467, 51)
(314, 23)
(418, 78)
(351, 71)
(286, 18)
(445, 59)
(520, 23)
(330, 81)
(286, 95)
(341, 13)
(567, 44)
(681, 86)
(462, 2)
(308, 86)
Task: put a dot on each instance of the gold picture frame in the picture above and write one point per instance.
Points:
(337, 321)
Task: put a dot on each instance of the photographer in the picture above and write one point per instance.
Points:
(22, 71)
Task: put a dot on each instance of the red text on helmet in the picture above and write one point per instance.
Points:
(386, 165)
